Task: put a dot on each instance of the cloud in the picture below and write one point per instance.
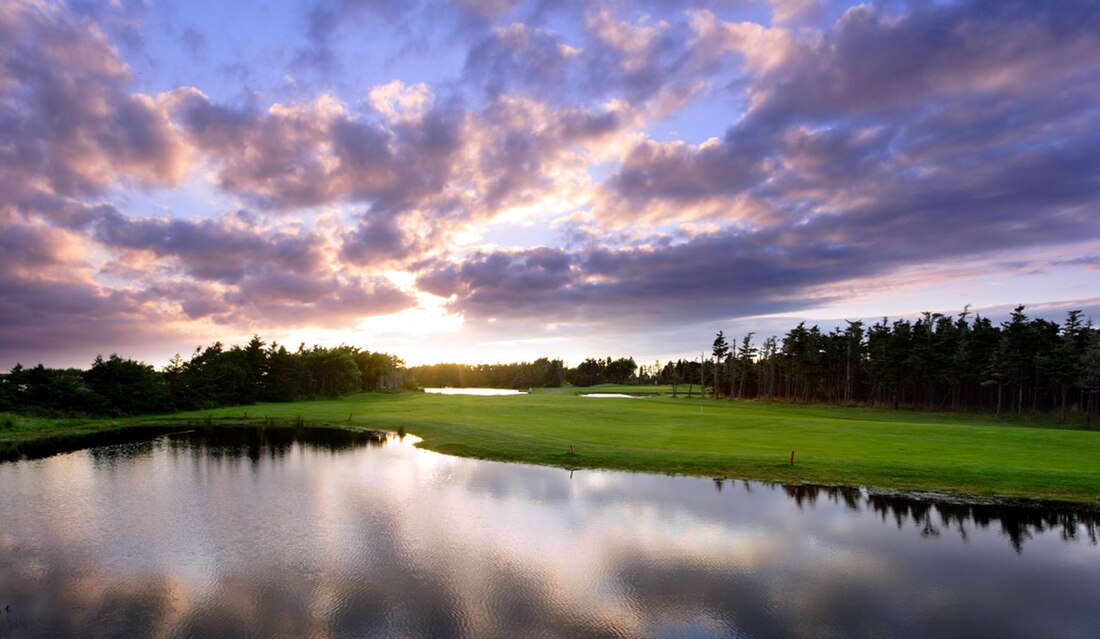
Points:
(210, 249)
(541, 181)
(779, 267)
(520, 57)
(514, 283)
(212, 271)
(428, 164)
(715, 275)
(795, 11)
(674, 180)
(635, 44)
(277, 157)
(375, 241)
(323, 21)
(240, 273)
(650, 64)
(398, 101)
(873, 64)
(487, 9)
(317, 152)
(69, 123)
(945, 110)
(762, 48)
(291, 300)
(644, 62)
(33, 249)
(49, 300)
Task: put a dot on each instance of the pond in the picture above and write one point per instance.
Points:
(299, 533)
(474, 391)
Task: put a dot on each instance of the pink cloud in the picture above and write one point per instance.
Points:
(70, 124)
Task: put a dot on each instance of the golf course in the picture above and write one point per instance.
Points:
(960, 454)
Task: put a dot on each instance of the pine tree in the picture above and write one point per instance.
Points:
(721, 351)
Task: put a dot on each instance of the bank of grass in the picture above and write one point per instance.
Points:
(751, 440)
(15, 427)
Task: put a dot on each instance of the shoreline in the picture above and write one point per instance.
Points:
(79, 437)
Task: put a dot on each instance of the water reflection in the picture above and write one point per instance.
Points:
(235, 440)
(255, 444)
(934, 516)
(280, 534)
(486, 392)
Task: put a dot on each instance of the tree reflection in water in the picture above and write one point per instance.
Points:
(1018, 522)
(298, 532)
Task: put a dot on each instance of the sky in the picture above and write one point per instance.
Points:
(499, 180)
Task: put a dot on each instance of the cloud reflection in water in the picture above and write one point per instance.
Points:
(292, 537)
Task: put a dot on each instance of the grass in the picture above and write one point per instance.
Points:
(23, 427)
(751, 440)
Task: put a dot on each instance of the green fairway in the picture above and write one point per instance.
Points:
(751, 440)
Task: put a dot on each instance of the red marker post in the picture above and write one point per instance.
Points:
(792, 458)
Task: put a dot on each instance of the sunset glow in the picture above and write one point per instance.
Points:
(498, 181)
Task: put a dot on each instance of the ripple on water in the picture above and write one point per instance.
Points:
(282, 536)
(487, 392)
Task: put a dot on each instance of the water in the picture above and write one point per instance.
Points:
(474, 391)
(303, 534)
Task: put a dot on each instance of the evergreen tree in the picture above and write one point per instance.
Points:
(128, 387)
(1090, 375)
(745, 356)
(721, 351)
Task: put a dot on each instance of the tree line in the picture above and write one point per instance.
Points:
(213, 376)
(543, 372)
(935, 362)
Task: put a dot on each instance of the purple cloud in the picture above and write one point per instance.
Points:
(542, 179)
(871, 64)
(709, 276)
(208, 249)
(518, 56)
(68, 120)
